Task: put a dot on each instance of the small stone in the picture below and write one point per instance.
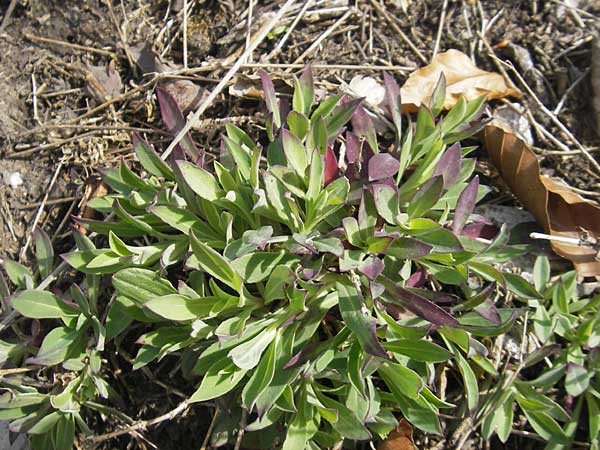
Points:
(15, 179)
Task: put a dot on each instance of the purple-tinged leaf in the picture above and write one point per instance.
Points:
(417, 279)
(362, 125)
(352, 148)
(270, 97)
(331, 166)
(371, 267)
(376, 289)
(382, 165)
(408, 248)
(417, 304)
(304, 242)
(436, 296)
(449, 166)
(284, 109)
(365, 156)
(480, 230)
(175, 122)
(465, 205)
(307, 88)
(392, 95)
(487, 309)
(359, 320)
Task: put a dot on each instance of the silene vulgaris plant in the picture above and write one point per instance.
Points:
(314, 280)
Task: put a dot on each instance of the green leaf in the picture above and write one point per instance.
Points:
(426, 197)
(64, 432)
(18, 274)
(150, 161)
(302, 425)
(418, 349)
(44, 253)
(401, 379)
(117, 319)
(46, 424)
(241, 156)
(141, 285)
(222, 377)
(200, 181)
(347, 424)
(247, 355)
(541, 272)
(355, 372)
(520, 287)
(281, 276)
(56, 346)
(262, 376)
(436, 103)
(545, 426)
(362, 324)
(298, 124)
(213, 263)
(577, 379)
(339, 116)
(469, 378)
(181, 308)
(37, 304)
(258, 266)
(593, 407)
(294, 152)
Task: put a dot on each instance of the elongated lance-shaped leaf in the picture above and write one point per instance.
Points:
(44, 253)
(294, 152)
(270, 97)
(392, 95)
(363, 126)
(307, 89)
(358, 319)
(436, 103)
(149, 159)
(215, 264)
(175, 122)
(331, 166)
(449, 165)
(418, 304)
(340, 116)
(465, 205)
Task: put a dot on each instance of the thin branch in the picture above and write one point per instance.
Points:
(140, 425)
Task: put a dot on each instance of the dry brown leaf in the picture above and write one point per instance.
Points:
(104, 82)
(186, 93)
(399, 439)
(559, 210)
(463, 78)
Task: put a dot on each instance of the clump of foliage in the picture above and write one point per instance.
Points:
(315, 282)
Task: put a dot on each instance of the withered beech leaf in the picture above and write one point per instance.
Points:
(559, 210)
(463, 78)
(399, 439)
